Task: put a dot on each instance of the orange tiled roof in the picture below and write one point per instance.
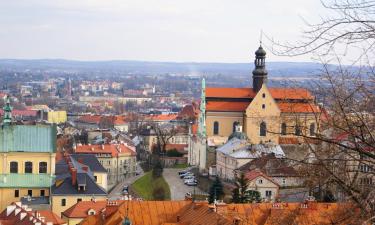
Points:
(113, 149)
(51, 217)
(167, 117)
(293, 107)
(223, 92)
(80, 209)
(277, 93)
(251, 175)
(227, 106)
(295, 140)
(90, 119)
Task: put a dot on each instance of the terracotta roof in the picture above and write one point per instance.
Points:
(16, 112)
(277, 93)
(253, 174)
(51, 217)
(80, 209)
(113, 149)
(222, 92)
(90, 119)
(167, 117)
(226, 106)
(292, 107)
(295, 140)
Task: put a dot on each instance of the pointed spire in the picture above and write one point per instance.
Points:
(7, 118)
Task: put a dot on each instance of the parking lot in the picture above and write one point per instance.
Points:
(176, 185)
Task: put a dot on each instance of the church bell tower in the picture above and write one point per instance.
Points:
(260, 72)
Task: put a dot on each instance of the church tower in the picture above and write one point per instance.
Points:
(260, 72)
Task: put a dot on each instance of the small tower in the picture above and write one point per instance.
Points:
(202, 116)
(260, 72)
(7, 118)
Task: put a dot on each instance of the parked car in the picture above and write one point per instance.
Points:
(125, 189)
(186, 174)
(183, 171)
(191, 183)
(189, 177)
(190, 180)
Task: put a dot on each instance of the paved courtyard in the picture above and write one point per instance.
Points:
(176, 185)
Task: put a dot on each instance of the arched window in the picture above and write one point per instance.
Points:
(42, 167)
(298, 130)
(235, 124)
(283, 129)
(216, 128)
(13, 167)
(312, 129)
(263, 129)
(28, 167)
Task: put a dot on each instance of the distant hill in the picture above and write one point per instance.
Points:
(276, 69)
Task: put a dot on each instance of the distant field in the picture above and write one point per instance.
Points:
(145, 185)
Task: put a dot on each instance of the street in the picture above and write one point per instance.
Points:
(116, 192)
(176, 185)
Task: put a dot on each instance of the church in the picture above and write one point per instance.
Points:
(264, 114)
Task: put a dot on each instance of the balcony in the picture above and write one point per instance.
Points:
(15, 180)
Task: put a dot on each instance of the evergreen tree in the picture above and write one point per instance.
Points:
(252, 196)
(216, 191)
(239, 193)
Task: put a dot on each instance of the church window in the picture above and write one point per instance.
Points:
(263, 129)
(28, 167)
(263, 95)
(283, 129)
(263, 106)
(14, 167)
(312, 129)
(216, 128)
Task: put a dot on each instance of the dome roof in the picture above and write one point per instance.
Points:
(260, 52)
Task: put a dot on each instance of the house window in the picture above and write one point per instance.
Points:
(268, 194)
(263, 95)
(263, 129)
(42, 193)
(283, 181)
(96, 178)
(283, 129)
(63, 202)
(42, 167)
(216, 128)
(263, 106)
(16, 193)
(312, 129)
(298, 130)
(30, 193)
(28, 167)
(79, 199)
(260, 181)
(13, 167)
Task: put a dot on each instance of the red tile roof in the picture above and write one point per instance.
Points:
(90, 119)
(80, 209)
(167, 117)
(253, 174)
(227, 106)
(289, 107)
(277, 93)
(113, 149)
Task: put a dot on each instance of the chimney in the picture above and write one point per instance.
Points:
(74, 176)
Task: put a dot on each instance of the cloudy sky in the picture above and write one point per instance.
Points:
(159, 30)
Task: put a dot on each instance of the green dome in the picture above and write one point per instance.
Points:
(238, 135)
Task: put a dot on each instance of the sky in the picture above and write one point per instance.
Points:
(151, 30)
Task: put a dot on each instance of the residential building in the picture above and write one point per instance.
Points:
(258, 181)
(276, 168)
(74, 182)
(17, 213)
(27, 160)
(118, 159)
(238, 151)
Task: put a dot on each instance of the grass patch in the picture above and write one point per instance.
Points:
(146, 184)
(181, 166)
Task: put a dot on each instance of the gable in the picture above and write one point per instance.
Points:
(263, 105)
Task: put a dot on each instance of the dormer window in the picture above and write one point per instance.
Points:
(91, 212)
(81, 187)
(260, 181)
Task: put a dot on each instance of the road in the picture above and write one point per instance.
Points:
(116, 192)
(176, 185)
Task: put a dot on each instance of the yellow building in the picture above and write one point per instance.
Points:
(279, 115)
(57, 117)
(27, 162)
(77, 179)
